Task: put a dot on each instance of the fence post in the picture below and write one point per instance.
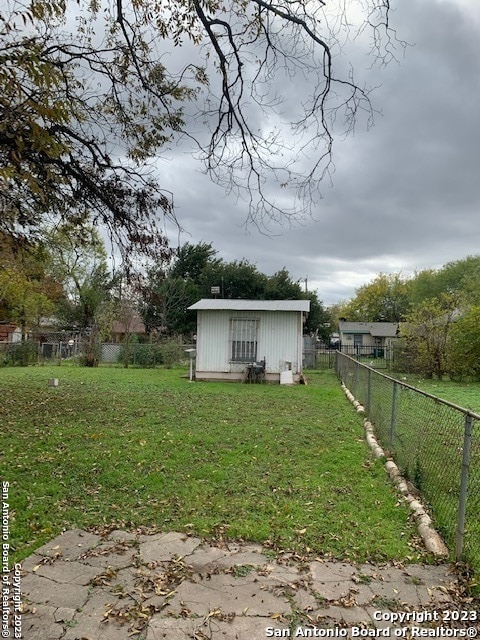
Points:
(369, 390)
(462, 503)
(394, 415)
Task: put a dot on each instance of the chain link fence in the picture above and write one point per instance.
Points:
(325, 358)
(32, 352)
(436, 446)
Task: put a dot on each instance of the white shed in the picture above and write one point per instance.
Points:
(233, 334)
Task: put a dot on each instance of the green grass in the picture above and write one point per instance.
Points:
(441, 441)
(428, 444)
(465, 394)
(285, 466)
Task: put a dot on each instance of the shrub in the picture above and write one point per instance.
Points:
(463, 351)
(21, 354)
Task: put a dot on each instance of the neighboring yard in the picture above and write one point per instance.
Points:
(286, 466)
(426, 438)
(465, 394)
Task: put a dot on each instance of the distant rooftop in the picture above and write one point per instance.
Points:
(250, 305)
(376, 329)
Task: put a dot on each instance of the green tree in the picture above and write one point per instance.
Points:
(164, 304)
(461, 276)
(168, 290)
(424, 285)
(27, 291)
(463, 349)
(79, 262)
(453, 275)
(191, 261)
(426, 334)
(67, 105)
(319, 321)
(237, 279)
(384, 299)
(280, 286)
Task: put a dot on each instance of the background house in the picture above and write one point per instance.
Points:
(127, 327)
(232, 334)
(367, 338)
(10, 332)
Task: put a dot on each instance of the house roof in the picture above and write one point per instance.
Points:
(7, 329)
(376, 329)
(135, 325)
(250, 305)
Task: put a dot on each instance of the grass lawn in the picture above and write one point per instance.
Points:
(428, 447)
(465, 394)
(130, 448)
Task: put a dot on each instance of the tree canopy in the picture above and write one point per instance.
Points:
(391, 297)
(384, 299)
(168, 290)
(440, 309)
(88, 98)
(27, 290)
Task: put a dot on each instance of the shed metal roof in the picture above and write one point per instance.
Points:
(250, 305)
(376, 329)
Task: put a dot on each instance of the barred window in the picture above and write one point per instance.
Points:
(244, 339)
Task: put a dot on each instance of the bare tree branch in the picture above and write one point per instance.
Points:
(82, 113)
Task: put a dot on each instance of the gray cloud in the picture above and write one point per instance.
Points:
(405, 195)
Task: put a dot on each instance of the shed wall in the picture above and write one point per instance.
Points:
(279, 340)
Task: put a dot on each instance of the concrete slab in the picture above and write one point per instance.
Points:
(124, 581)
(115, 554)
(40, 590)
(68, 572)
(41, 623)
(222, 593)
(216, 592)
(304, 601)
(64, 614)
(252, 558)
(250, 628)
(239, 628)
(204, 559)
(349, 615)
(121, 536)
(331, 580)
(33, 562)
(171, 629)
(165, 546)
(90, 622)
(282, 574)
(396, 591)
(69, 545)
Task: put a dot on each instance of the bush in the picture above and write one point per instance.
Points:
(147, 355)
(173, 352)
(91, 355)
(463, 351)
(168, 353)
(20, 354)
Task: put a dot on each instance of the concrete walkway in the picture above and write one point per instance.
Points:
(81, 586)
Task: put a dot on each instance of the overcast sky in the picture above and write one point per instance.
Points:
(405, 194)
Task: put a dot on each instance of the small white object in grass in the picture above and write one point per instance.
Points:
(53, 382)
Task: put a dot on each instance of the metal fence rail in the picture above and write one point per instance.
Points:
(435, 444)
(324, 358)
